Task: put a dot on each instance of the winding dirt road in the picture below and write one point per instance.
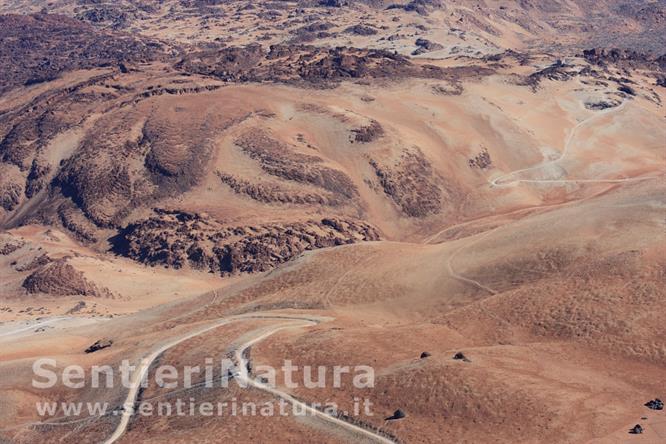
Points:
(30, 327)
(69, 321)
(245, 377)
(132, 395)
(503, 182)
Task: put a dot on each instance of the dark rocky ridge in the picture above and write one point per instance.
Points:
(310, 64)
(273, 193)
(624, 58)
(278, 160)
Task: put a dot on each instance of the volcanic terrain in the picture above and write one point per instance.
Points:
(469, 197)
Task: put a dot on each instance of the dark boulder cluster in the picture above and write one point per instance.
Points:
(624, 58)
(481, 160)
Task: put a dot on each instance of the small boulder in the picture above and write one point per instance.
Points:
(461, 357)
(636, 430)
(425, 355)
(398, 414)
(99, 345)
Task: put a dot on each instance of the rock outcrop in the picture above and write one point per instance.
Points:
(425, 45)
(59, 278)
(624, 58)
(178, 239)
(368, 133)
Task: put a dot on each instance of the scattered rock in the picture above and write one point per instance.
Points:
(624, 58)
(77, 308)
(454, 88)
(11, 186)
(9, 245)
(318, 66)
(333, 3)
(460, 356)
(269, 192)
(35, 262)
(558, 71)
(278, 159)
(421, 7)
